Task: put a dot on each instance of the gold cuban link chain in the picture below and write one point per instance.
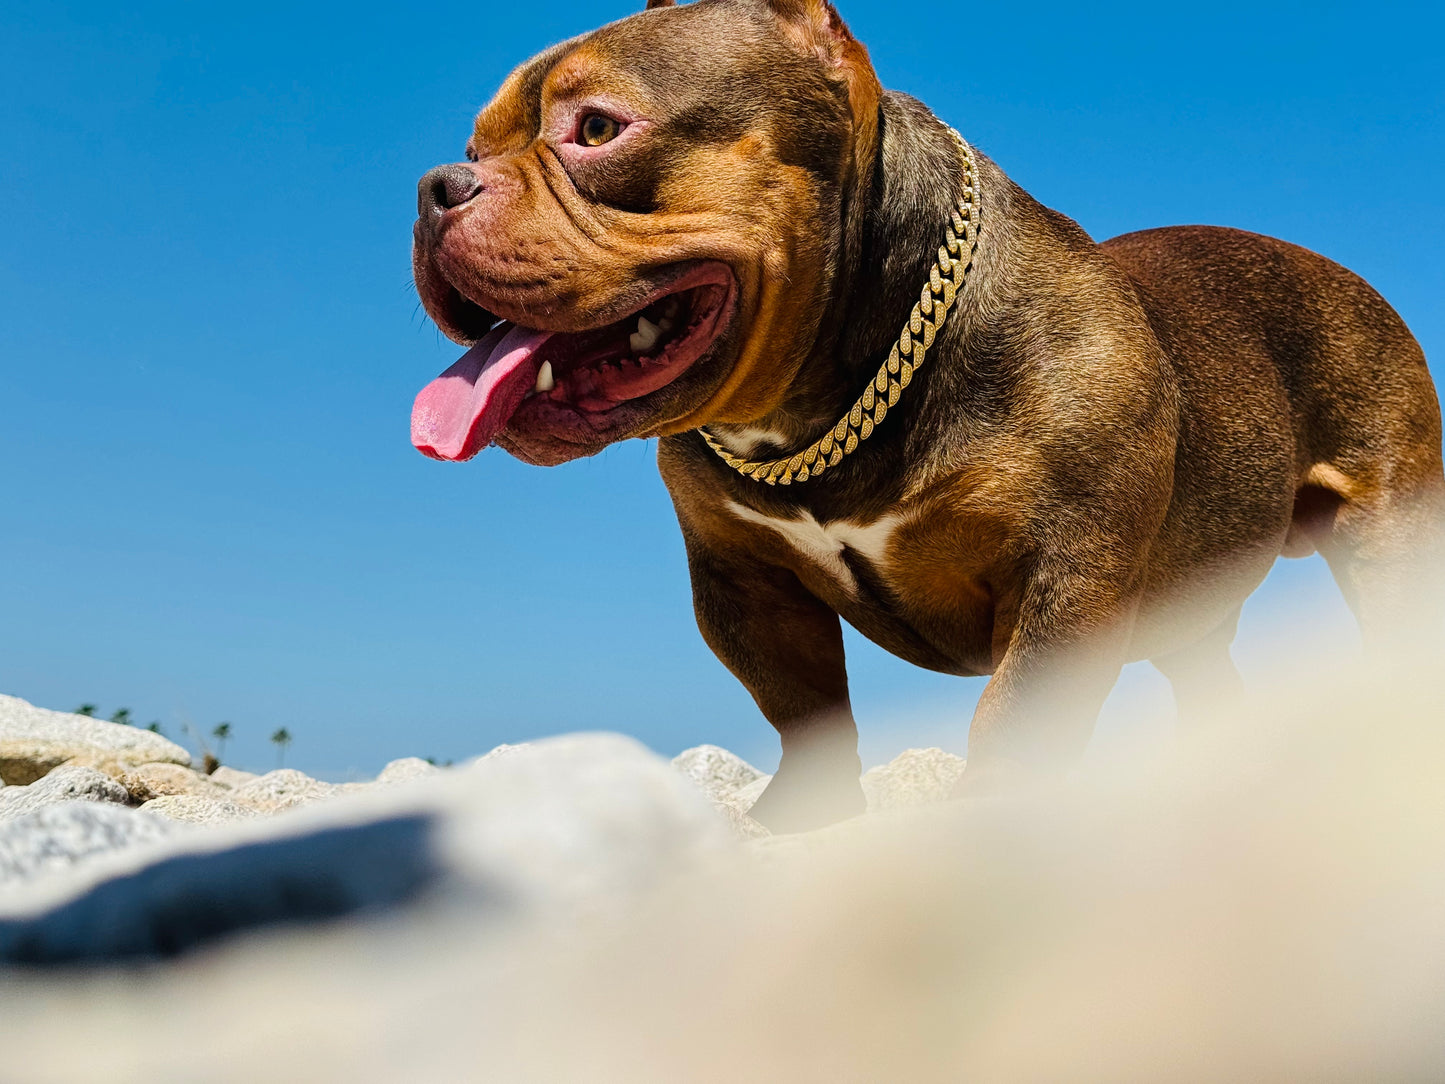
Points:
(945, 282)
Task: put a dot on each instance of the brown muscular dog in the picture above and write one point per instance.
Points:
(714, 216)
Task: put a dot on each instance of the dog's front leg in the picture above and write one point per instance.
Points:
(1068, 641)
(786, 647)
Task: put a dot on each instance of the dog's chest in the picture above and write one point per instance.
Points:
(900, 579)
(833, 550)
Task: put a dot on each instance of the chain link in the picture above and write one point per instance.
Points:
(945, 282)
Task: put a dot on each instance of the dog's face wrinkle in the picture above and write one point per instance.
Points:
(513, 118)
(559, 185)
(703, 107)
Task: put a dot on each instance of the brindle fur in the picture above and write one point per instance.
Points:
(1108, 448)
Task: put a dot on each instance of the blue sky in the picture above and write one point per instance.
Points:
(209, 347)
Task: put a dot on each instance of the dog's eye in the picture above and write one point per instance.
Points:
(597, 130)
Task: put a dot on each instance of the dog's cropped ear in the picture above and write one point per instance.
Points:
(815, 27)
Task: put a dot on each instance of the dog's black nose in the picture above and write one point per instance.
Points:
(444, 188)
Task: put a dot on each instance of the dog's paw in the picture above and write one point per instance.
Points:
(802, 801)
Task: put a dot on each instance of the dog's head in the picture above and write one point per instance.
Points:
(646, 228)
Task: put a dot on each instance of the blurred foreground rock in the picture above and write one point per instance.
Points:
(550, 824)
(1258, 901)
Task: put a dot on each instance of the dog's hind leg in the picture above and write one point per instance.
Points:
(1385, 545)
(1203, 675)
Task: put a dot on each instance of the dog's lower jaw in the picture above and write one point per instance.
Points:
(810, 792)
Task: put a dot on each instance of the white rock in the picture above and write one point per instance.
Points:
(282, 789)
(35, 740)
(574, 817)
(399, 771)
(741, 823)
(914, 777)
(231, 777)
(743, 798)
(570, 822)
(150, 781)
(719, 773)
(62, 785)
(58, 837)
(198, 809)
(504, 750)
(729, 781)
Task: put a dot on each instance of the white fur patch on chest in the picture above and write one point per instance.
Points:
(823, 543)
(745, 440)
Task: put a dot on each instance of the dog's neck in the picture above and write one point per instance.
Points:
(891, 222)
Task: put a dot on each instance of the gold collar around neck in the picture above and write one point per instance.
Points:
(945, 281)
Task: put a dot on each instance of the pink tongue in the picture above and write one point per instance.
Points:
(458, 413)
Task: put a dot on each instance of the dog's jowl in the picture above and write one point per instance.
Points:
(893, 389)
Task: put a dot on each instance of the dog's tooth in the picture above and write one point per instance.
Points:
(645, 337)
(544, 378)
(665, 323)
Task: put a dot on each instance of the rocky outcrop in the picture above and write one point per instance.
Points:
(406, 769)
(34, 741)
(150, 781)
(546, 813)
(65, 784)
(231, 778)
(729, 782)
(717, 772)
(285, 788)
(156, 774)
(198, 809)
(914, 777)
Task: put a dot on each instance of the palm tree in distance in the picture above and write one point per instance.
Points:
(85, 709)
(222, 734)
(155, 727)
(281, 739)
(121, 715)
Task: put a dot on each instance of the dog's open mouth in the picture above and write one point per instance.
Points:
(514, 369)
